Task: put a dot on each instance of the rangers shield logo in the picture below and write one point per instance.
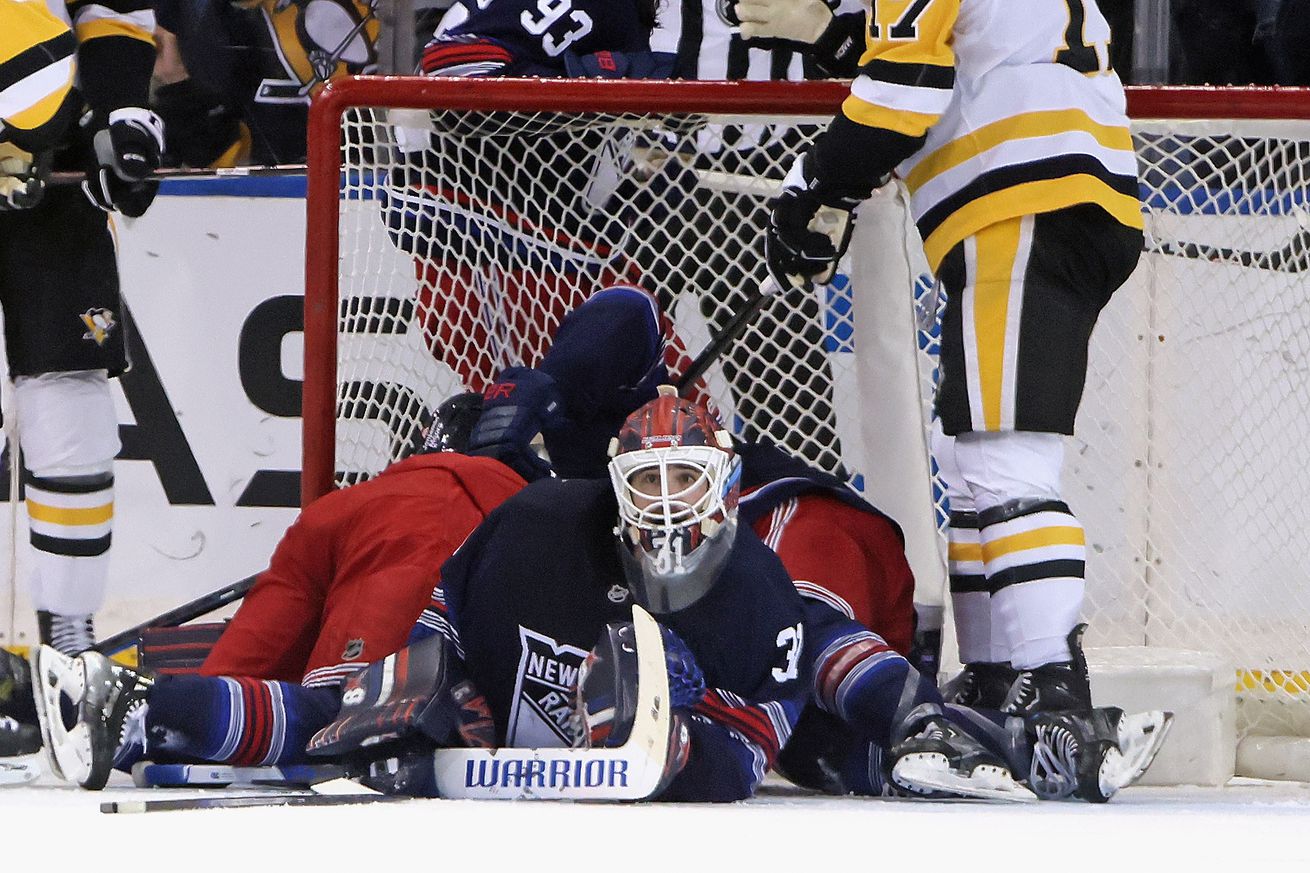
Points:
(542, 715)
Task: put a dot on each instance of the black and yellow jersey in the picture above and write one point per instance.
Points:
(57, 56)
(1015, 105)
(37, 69)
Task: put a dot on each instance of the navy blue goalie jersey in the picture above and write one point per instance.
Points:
(529, 593)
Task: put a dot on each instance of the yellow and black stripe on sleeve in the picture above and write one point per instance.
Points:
(37, 69)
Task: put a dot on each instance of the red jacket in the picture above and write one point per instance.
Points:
(852, 559)
(350, 577)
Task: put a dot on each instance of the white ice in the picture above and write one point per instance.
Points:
(1248, 826)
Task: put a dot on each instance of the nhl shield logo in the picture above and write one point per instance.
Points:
(100, 323)
(353, 650)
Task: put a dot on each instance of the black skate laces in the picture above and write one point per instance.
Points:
(72, 634)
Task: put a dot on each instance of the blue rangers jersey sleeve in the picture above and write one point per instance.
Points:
(529, 593)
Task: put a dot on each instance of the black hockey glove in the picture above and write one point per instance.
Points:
(127, 150)
(521, 404)
(22, 177)
(805, 238)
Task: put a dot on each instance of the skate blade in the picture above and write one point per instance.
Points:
(20, 769)
(67, 751)
(1141, 736)
(931, 772)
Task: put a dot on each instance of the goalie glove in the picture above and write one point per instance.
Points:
(521, 404)
(127, 150)
(805, 238)
(607, 693)
(802, 21)
(22, 177)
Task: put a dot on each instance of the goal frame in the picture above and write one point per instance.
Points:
(575, 95)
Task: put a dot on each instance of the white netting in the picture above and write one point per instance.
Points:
(1189, 468)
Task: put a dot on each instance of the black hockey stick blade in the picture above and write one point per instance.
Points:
(254, 800)
(180, 615)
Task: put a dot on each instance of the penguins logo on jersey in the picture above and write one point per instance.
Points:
(100, 323)
(316, 41)
(543, 711)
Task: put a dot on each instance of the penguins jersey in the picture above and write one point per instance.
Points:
(1021, 110)
(37, 68)
(108, 53)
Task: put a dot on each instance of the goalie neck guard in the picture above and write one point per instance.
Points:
(677, 480)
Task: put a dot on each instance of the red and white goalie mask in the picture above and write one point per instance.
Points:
(677, 480)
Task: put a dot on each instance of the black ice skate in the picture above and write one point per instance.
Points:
(940, 760)
(1055, 687)
(83, 704)
(1093, 754)
(17, 738)
(16, 689)
(981, 684)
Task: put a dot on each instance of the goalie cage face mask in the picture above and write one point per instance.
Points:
(677, 481)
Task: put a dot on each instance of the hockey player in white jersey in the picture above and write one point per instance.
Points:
(1007, 125)
(59, 287)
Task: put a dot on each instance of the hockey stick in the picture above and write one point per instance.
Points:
(733, 330)
(1294, 257)
(181, 615)
(185, 803)
(836, 224)
(148, 775)
(77, 177)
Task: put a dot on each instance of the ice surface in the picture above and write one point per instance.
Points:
(1248, 826)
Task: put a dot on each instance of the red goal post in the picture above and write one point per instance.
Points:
(1189, 468)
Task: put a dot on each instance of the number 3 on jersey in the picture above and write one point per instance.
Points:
(557, 23)
(790, 640)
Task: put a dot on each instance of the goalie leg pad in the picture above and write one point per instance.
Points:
(419, 693)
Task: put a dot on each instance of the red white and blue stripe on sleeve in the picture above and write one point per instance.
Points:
(464, 56)
(436, 619)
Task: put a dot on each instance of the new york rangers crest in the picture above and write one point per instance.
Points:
(543, 712)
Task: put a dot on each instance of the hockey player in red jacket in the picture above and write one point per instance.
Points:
(352, 574)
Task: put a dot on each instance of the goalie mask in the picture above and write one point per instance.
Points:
(677, 480)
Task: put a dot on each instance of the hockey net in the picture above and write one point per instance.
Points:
(453, 223)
